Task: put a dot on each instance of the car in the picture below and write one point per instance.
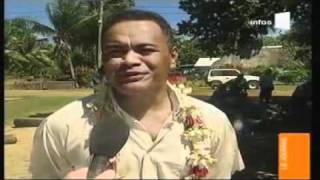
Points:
(217, 77)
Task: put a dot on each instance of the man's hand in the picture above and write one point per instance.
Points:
(82, 174)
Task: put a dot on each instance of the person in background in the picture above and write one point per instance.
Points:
(239, 86)
(266, 86)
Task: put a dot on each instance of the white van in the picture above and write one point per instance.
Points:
(216, 77)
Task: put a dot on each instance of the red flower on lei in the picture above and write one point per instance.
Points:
(198, 171)
(194, 121)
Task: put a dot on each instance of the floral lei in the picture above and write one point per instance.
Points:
(194, 135)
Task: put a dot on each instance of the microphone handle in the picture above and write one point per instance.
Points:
(98, 164)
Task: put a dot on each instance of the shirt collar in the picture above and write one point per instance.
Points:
(174, 96)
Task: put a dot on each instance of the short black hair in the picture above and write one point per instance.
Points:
(135, 14)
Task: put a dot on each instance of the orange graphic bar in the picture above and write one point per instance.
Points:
(294, 156)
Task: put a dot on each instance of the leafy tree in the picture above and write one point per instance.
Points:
(223, 28)
(189, 50)
(86, 38)
(297, 42)
(298, 52)
(301, 26)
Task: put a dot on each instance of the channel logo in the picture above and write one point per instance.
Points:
(281, 21)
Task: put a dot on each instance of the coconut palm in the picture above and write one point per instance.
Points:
(64, 15)
(75, 25)
(23, 55)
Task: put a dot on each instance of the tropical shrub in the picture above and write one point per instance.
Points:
(196, 83)
(84, 75)
(293, 74)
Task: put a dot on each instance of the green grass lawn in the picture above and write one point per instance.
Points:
(28, 105)
(285, 87)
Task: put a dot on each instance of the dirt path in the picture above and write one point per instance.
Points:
(17, 156)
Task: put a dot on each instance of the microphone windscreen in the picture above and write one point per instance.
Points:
(108, 136)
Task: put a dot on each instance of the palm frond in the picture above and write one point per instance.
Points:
(34, 26)
(83, 22)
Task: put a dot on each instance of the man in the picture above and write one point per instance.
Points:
(266, 86)
(137, 54)
(239, 86)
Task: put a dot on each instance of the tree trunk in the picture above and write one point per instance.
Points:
(237, 37)
(95, 57)
(72, 71)
(71, 65)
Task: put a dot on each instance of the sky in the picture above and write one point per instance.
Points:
(36, 9)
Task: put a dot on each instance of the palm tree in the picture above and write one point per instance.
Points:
(64, 15)
(75, 25)
(23, 55)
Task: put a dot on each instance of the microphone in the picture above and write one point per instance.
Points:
(106, 139)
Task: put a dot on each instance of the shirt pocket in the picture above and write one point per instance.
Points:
(172, 164)
(171, 169)
(128, 162)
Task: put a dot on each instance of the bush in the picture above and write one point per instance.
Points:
(63, 77)
(196, 83)
(257, 71)
(84, 75)
(233, 66)
(287, 74)
(51, 73)
(293, 75)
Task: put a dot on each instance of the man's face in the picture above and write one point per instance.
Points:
(136, 56)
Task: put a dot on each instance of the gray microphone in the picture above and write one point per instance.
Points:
(106, 139)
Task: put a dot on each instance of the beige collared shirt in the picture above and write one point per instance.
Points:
(61, 144)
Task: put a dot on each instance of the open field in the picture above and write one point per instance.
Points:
(22, 103)
(28, 105)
